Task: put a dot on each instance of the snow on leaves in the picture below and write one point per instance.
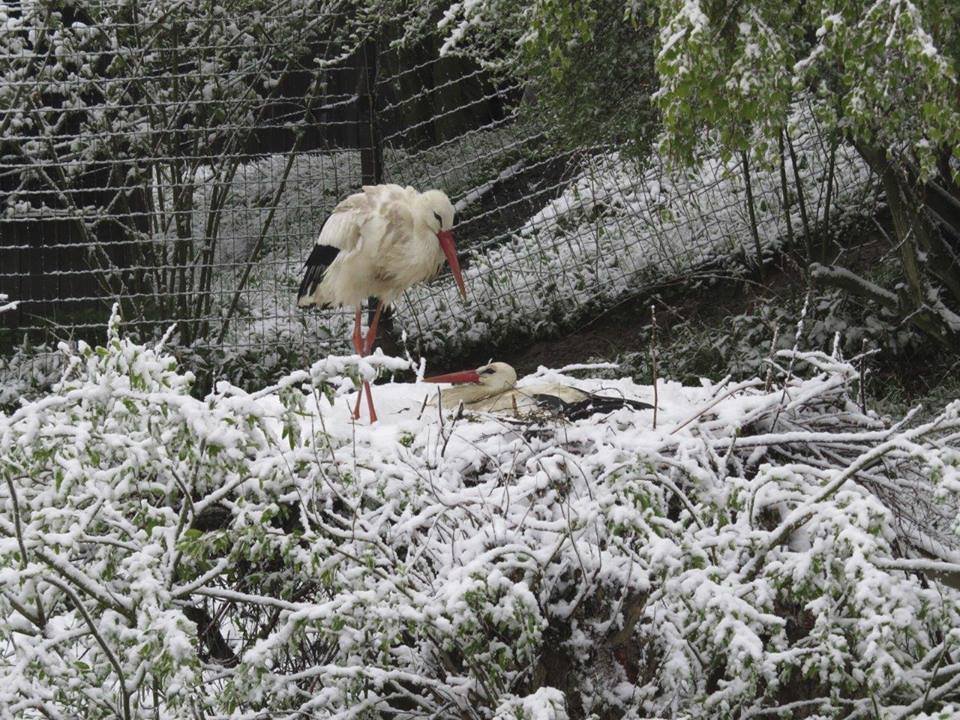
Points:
(162, 555)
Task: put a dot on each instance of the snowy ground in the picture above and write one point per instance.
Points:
(616, 228)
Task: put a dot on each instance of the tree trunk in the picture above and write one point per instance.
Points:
(927, 272)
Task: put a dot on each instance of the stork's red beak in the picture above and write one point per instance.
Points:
(450, 250)
(457, 378)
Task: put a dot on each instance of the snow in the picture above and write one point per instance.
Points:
(456, 560)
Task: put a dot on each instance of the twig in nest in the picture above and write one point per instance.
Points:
(446, 439)
(423, 406)
(796, 347)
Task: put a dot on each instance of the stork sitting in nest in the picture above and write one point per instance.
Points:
(493, 388)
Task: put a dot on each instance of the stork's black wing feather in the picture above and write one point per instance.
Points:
(552, 403)
(320, 259)
(616, 402)
(588, 406)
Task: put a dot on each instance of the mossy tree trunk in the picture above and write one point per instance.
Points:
(929, 295)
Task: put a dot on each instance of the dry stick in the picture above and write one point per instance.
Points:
(423, 406)
(653, 360)
(785, 191)
(861, 391)
(16, 522)
(773, 349)
(457, 416)
(831, 171)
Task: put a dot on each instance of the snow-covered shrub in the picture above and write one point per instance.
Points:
(27, 372)
(258, 553)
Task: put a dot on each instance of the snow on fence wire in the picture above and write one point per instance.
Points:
(182, 163)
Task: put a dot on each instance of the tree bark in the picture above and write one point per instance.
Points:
(920, 250)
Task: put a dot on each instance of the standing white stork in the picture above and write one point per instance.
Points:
(493, 388)
(378, 243)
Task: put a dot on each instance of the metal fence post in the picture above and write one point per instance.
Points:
(371, 149)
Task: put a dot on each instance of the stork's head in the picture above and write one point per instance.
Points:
(437, 213)
(493, 378)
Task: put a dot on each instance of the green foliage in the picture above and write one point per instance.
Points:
(586, 66)
(591, 72)
(880, 74)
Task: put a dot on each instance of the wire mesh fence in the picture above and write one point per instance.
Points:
(181, 161)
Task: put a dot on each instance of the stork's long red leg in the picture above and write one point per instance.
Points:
(363, 349)
(356, 407)
(357, 335)
(372, 332)
(357, 348)
(373, 413)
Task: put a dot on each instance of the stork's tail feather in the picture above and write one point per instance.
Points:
(320, 259)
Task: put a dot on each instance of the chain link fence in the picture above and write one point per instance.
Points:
(180, 160)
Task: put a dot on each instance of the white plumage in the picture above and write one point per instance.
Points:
(492, 388)
(379, 242)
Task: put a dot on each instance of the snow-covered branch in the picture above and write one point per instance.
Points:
(163, 555)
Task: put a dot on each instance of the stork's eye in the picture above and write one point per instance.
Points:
(439, 219)
(487, 371)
